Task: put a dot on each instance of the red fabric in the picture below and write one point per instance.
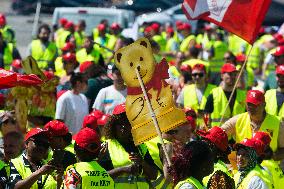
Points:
(48, 74)
(257, 145)
(115, 26)
(280, 69)
(63, 21)
(35, 131)
(86, 137)
(155, 27)
(85, 65)
(119, 109)
(69, 57)
(279, 51)
(228, 67)
(240, 57)
(2, 20)
(68, 47)
(217, 136)
(17, 63)
(101, 27)
(157, 81)
(68, 25)
(262, 136)
(103, 120)
(90, 121)
(56, 128)
(255, 97)
(170, 30)
(199, 67)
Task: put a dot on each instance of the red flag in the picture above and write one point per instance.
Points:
(195, 9)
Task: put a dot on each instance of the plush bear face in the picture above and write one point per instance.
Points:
(136, 55)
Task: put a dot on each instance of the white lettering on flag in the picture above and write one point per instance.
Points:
(195, 8)
(218, 8)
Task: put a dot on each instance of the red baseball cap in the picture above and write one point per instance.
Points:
(258, 146)
(199, 67)
(228, 68)
(279, 51)
(186, 26)
(69, 57)
(2, 20)
(217, 136)
(240, 57)
(155, 27)
(103, 120)
(101, 27)
(178, 23)
(264, 137)
(90, 121)
(86, 137)
(68, 47)
(185, 68)
(119, 109)
(280, 69)
(68, 25)
(115, 26)
(35, 131)
(170, 30)
(85, 65)
(255, 97)
(278, 37)
(48, 74)
(192, 122)
(63, 21)
(17, 63)
(56, 128)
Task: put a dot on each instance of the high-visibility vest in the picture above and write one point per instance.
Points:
(59, 70)
(79, 39)
(82, 56)
(43, 57)
(249, 76)
(220, 101)
(236, 44)
(270, 67)
(271, 104)
(161, 41)
(184, 46)
(276, 172)
(270, 124)
(7, 35)
(103, 42)
(257, 171)
(61, 39)
(254, 57)
(92, 175)
(216, 62)
(112, 42)
(168, 47)
(95, 33)
(153, 148)
(220, 165)
(120, 158)
(174, 72)
(192, 181)
(3, 165)
(8, 55)
(192, 62)
(25, 172)
(70, 147)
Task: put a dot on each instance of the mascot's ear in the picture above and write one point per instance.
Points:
(118, 57)
(144, 43)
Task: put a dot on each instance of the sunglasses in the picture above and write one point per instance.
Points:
(40, 143)
(197, 74)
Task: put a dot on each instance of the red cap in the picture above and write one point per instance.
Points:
(2, 20)
(48, 74)
(278, 37)
(86, 137)
(115, 26)
(258, 146)
(69, 57)
(280, 69)
(199, 67)
(119, 109)
(90, 121)
(178, 23)
(34, 132)
(68, 25)
(207, 27)
(101, 27)
(103, 120)
(186, 26)
(58, 94)
(155, 27)
(255, 97)
(185, 68)
(279, 51)
(192, 122)
(56, 128)
(228, 68)
(240, 57)
(217, 136)
(68, 47)
(264, 137)
(17, 63)
(63, 21)
(148, 29)
(85, 65)
(170, 30)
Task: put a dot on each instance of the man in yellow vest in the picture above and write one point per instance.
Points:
(257, 119)
(79, 34)
(194, 96)
(7, 32)
(274, 98)
(102, 39)
(157, 37)
(87, 173)
(28, 170)
(172, 45)
(67, 35)
(62, 22)
(7, 53)
(219, 97)
(42, 50)
(189, 38)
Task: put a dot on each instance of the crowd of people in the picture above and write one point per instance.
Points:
(79, 136)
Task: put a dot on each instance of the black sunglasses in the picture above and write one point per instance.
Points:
(40, 143)
(198, 74)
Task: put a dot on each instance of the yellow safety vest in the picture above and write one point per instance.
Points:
(174, 71)
(59, 70)
(270, 124)
(220, 101)
(184, 46)
(257, 171)
(79, 38)
(3, 165)
(216, 62)
(271, 104)
(43, 57)
(61, 39)
(93, 175)
(25, 172)
(254, 57)
(103, 42)
(8, 56)
(276, 172)
(82, 56)
(112, 42)
(271, 67)
(7, 36)
(161, 41)
(236, 43)
(192, 62)
(95, 33)
(152, 146)
(70, 147)
(120, 158)
(220, 165)
(191, 181)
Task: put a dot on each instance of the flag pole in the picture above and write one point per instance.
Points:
(154, 118)
(236, 83)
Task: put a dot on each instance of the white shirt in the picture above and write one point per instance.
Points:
(108, 98)
(256, 183)
(72, 109)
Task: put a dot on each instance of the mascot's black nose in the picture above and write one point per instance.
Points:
(138, 68)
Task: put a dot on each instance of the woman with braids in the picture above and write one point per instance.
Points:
(130, 166)
(192, 165)
(217, 140)
(220, 180)
(250, 174)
